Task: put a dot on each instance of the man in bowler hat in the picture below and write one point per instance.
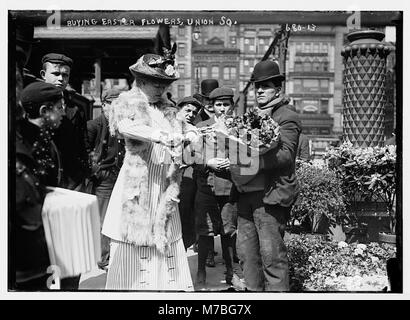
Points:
(71, 137)
(207, 86)
(265, 201)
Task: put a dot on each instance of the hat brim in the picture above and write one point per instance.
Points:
(196, 104)
(159, 77)
(279, 77)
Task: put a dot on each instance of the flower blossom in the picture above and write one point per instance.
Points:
(358, 252)
(361, 246)
(342, 244)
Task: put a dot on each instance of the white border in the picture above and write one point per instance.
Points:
(370, 5)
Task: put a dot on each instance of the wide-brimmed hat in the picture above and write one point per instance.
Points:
(266, 70)
(189, 100)
(207, 86)
(156, 67)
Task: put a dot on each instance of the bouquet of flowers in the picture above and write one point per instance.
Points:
(250, 130)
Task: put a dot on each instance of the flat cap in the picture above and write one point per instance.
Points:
(39, 92)
(221, 93)
(57, 58)
(109, 95)
(189, 100)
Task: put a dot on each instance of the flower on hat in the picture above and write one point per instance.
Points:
(170, 71)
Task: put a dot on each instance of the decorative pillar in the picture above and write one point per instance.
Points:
(364, 96)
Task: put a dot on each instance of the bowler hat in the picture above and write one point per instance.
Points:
(39, 92)
(155, 67)
(221, 93)
(109, 95)
(265, 70)
(57, 58)
(189, 100)
(207, 86)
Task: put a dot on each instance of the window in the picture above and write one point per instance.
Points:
(317, 66)
(310, 85)
(249, 45)
(229, 73)
(204, 72)
(307, 47)
(232, 41)
(215, 72)
(325, 48)
(226, 73)
(324, 106)
(263, 45)
(181, 91)
(181, 31)
(307, 66)
(298, 66)
(316, 47)
(233, 73)
(297, 85)
(181, 50)
(298, 47)
(181, 69)
(324, 85)
(325, 66)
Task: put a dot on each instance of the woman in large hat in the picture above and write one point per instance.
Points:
(142, 219)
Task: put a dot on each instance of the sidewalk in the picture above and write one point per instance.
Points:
(215, 277)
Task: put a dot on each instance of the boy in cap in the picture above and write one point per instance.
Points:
(42, 104)
(71, 137)
(213, 190)
(107, 157)
(36, 167)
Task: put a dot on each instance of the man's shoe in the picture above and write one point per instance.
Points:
(201, 277)
(210, 261)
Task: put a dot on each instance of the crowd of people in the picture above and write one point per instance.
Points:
(153, 205)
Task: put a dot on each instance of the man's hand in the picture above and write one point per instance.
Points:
(218, 164)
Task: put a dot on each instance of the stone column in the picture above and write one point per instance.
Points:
(364, 97)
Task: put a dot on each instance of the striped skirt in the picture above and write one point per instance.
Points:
(145, 268)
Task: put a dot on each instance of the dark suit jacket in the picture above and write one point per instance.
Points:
(71, 140)
(276, 175)
(207, 181)
(201, 116)
(108, 151)
(303, 148)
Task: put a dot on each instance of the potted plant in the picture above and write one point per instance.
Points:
(320, 202)
(368, 175)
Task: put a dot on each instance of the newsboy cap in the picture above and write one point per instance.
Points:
(221, 93)
(57, 58)
(265, 70)
(109, 95)
(39, 92)
(188, 100)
